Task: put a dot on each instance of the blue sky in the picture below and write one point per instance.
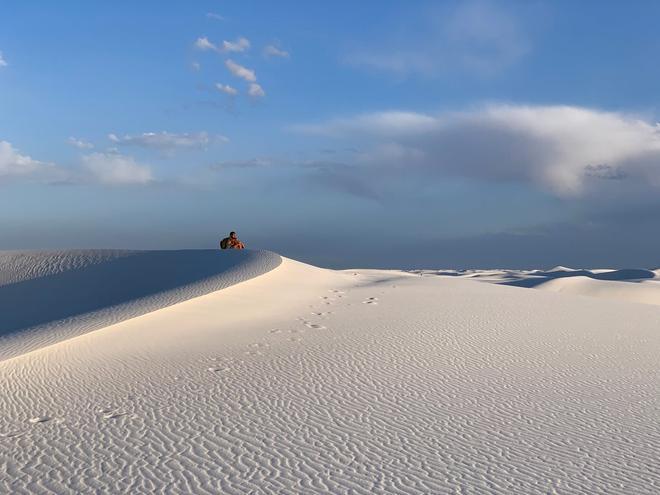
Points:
(389, 133)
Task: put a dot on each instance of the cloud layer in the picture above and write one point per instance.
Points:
(568, 151)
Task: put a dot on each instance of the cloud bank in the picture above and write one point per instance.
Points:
(15, 164)
(567, 151)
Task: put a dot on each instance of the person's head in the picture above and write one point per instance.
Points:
(232, 235)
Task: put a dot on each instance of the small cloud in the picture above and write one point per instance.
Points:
(3, 62)
(217, 17)
(226, 89)
(204, 44)
(116, 169)
(196, 66)
(166, 141)
(256, 91)
(240, 45)
(273, 51)
(80, 143)
(240, 71)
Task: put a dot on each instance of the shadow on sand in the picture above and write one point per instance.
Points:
(36, 302)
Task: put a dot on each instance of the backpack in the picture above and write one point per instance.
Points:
(224, 243)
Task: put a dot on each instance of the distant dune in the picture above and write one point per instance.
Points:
(630, 285)
(242, 372)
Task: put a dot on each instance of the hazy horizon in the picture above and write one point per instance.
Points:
(462, 134)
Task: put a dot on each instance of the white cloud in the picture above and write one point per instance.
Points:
(13, 164)
(217, 17)
(226, 89)
(476, 36)
(166, 141)
(273, 51)
(204, 44)
(116, 169)
(196, 66)
(240, 71)
(3, 62)
(568, 151)
(79, 143)
(240, 45)
(256, 91)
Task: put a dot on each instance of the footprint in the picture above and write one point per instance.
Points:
(12, 434)
(275, 330)
(254, 353)
(258, 345)
(114, 415)
(321, 313)
(217, 369)
(109, 413)
(314, 325)
(39, 419)
(371, 300)
(295, 339)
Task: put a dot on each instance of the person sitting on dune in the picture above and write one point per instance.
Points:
(231, 242)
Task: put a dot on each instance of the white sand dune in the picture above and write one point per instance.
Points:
(632, 285)
(305, 380)
(46, 297)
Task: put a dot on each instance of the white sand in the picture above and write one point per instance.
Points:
(304, 380)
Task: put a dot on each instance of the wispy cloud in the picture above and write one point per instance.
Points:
(256, 91)
(217, 17)
(226, 89)
(79, 143)
(166, 141)
(240, 71)
(273, 51)
(116, 169)
(196, 66)
(240, 45)
(3, 62)
(477, 36)
(565, 150)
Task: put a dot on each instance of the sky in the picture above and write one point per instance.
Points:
(391, 134)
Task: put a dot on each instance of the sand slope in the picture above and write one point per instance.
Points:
(46, 297)
(305, 380)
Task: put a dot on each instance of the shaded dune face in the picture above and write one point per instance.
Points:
(48, 297)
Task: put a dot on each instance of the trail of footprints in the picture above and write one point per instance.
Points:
(222, 365)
